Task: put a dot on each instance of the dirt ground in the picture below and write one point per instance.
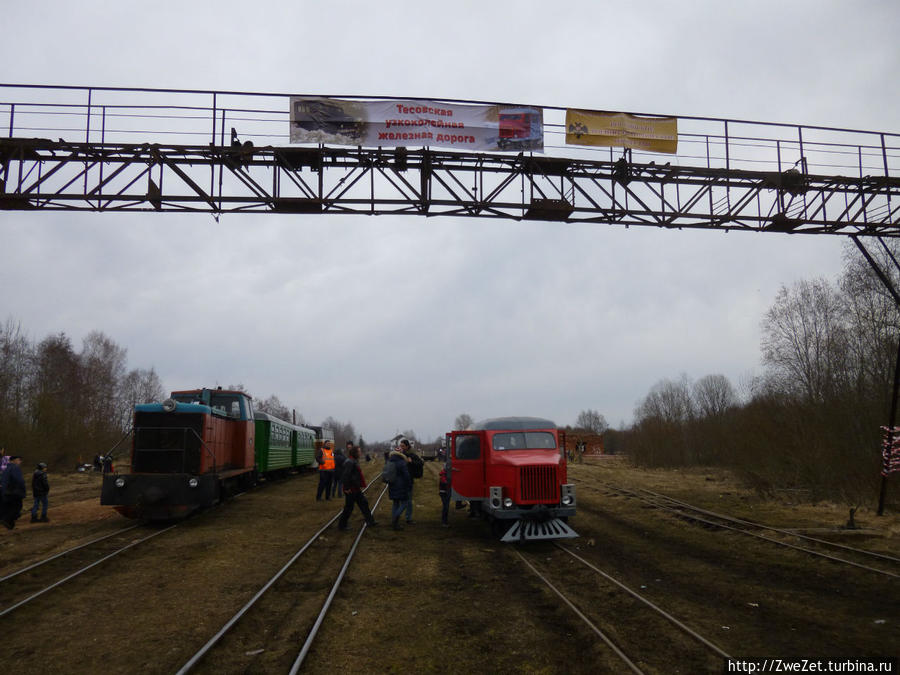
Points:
(433, 599)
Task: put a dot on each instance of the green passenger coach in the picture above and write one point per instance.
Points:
(281, 446)
(304, 448)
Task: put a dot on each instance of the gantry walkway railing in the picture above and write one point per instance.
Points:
(122, 150)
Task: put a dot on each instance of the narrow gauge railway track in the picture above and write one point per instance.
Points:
(587, 608)
(261, 624)
(31, 582)
(686, 511)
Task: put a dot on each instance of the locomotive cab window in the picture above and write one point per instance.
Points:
(468, 447)
(527, 440)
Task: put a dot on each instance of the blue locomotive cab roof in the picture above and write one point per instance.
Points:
(513, 424)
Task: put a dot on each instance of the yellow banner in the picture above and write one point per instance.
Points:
(656, 134)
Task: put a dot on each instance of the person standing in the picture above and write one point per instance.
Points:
(12, 485)
(399, 489)
(353, 482)
(339, 460)
(444, 492)
(416, 469)
(325, 459)
(40, 488)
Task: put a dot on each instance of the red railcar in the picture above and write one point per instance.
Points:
(512, 470)
(186, 453)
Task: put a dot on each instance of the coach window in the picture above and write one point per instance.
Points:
(468, 447)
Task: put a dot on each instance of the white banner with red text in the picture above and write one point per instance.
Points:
(416, 123)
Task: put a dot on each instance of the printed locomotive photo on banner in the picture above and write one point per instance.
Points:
(417, 123)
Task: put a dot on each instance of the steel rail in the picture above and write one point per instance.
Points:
(82, 571)
(198, 656)
(85, 569)
(67, 551)
(637, 596)
(755, 534)
(315, 629)
(590, 624)
(824, 542)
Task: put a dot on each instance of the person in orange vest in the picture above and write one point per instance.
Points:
(325, 459)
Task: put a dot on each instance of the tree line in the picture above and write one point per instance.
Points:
(63, 405)
(811, 423)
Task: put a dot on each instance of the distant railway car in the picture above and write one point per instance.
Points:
(187, 452)
(513, 471)
(281, 446)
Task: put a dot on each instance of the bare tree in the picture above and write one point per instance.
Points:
(462, 422)
(667, 401)
(138, 386)
(273, 406)
(713, 395)
(872, 314)
(343, 432)
(16, 362)
(591, 420)
(805, 339)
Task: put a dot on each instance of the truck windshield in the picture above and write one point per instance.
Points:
(525, 440)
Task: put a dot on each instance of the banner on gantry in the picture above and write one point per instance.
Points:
(416, 123)
(655, 134)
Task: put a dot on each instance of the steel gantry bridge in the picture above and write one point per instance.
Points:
(124, 150)
(155, 150)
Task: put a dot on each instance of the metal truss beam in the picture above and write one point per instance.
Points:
(240, 178)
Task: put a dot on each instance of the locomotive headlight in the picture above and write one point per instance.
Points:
(169, 404)
(193, 482)
(508, 502)
(120, 482)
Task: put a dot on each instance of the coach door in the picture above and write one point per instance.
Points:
(467, 465)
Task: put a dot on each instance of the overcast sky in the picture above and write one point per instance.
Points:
(404, 323)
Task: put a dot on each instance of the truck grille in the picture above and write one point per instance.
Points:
(538, 484)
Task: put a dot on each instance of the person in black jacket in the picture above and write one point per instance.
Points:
(444, 492)
(354, 482)
(339, 459)
(12, 485)
(40, 488)
(399, 489)
(416, 470)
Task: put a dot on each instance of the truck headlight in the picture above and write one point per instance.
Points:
(120, 482)
(508, 502)
(567, 500)
(193, 482)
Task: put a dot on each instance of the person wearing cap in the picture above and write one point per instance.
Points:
(416, 470)
(40, 488)
(12, 485)
(325, 459)
(399, 490)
